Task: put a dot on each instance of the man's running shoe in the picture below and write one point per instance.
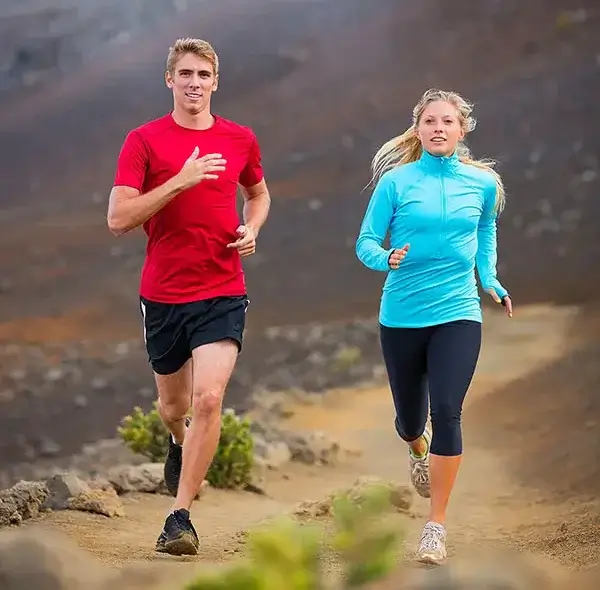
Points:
(178, 536)
(173, 463)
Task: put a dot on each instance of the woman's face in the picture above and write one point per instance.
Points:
(439, 128)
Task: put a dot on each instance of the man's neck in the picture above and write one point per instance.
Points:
(201, 121)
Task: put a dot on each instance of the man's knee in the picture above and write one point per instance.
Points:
(173, 410)
(207, 403)
(447, 431)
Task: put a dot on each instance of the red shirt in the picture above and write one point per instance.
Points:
(186, 255)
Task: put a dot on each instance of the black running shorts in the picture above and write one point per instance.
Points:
(172, 331)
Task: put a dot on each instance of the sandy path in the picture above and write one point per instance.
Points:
(489, 505)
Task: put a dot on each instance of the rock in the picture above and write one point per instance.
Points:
(314, 509)
(104, 502)
(48, 447)
(400, 497)
(61, 488)
(272, 454)
(100, 483)
(311, 447)
(80, 401)
(314, 447)
(258, 477)
(145, 478)
(22, 502)
(273, 403)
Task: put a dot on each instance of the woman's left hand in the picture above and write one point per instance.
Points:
(505, 301)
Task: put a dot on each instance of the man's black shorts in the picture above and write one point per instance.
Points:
(172, 331)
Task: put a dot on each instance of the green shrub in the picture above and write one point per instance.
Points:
(145, 434)
(234, 459)
(365, 542)
(291, 556)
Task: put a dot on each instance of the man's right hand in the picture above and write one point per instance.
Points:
(397, 256)
(197, 169)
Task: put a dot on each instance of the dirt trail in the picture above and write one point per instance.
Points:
(491, 506)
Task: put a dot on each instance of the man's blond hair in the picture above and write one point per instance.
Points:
(198, 47)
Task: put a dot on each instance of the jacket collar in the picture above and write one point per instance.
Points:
(439, 163)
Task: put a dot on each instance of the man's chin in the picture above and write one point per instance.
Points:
(194, 109)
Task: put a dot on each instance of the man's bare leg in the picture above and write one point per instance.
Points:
(213, 366)
(175, 399)
(174, 403)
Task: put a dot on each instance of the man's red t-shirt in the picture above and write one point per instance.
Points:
(187, 258)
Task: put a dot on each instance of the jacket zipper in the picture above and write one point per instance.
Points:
(442, 236)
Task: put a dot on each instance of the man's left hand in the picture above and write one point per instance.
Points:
(246, 243)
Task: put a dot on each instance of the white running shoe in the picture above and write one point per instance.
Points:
(419, 469)
(432, 546)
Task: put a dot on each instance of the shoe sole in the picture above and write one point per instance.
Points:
(184, 545)
(430, 560)
(423, 494)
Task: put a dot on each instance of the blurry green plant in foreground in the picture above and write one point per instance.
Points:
(289, 555)
(145, 434)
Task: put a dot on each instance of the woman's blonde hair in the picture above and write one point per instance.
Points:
(407, 147)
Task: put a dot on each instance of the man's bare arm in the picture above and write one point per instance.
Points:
(257, 202)
(127, 209)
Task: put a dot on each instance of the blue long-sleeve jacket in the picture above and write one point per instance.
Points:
(445, 210)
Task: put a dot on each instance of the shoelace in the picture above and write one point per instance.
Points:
(432, 537)
(421, 472)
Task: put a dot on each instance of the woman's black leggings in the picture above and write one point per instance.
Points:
(439, 361)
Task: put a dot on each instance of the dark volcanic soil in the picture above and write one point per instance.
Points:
(323, 84)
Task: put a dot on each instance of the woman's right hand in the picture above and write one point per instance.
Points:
(397, 256)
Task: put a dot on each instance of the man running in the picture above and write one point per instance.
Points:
(177, 177)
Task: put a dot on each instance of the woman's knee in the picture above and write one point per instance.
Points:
(409, 431)
(447, 431)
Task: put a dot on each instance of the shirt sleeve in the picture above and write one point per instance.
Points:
(375, 226)
(252, 172)
(132, 162)
(486, 257)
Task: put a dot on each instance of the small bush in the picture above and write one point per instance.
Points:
(365, 543)
(289, 555)
(234, 459)
(145, 434)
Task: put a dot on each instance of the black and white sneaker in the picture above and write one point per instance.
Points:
(173, 463)
(178, 536)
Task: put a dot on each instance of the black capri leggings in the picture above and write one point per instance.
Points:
(439, 360)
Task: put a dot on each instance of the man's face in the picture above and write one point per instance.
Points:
(192, 83)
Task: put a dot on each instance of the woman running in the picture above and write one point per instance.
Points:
(439, 205)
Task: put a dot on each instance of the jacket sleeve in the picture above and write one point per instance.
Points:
(486, 257)
(375, 226)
